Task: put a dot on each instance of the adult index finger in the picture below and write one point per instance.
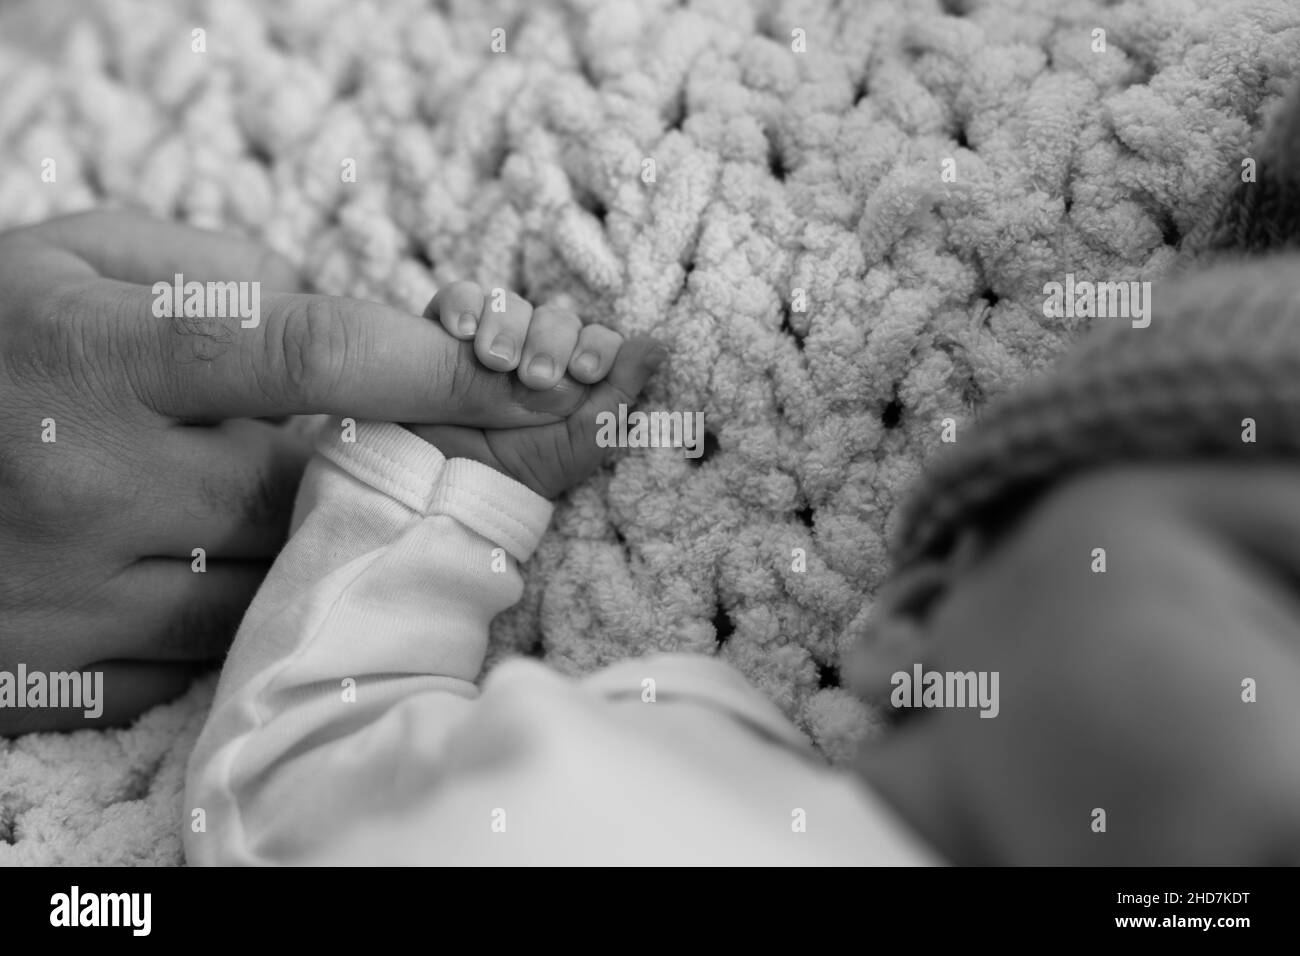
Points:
(252, 354)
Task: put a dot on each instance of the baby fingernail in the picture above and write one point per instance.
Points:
(468, 323)
(542, 367)
(502, 348)
(586, 363)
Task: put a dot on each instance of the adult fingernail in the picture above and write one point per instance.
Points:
(502, 348)
(542, 367)
(587, 363)
(658, 355)
(468, 323)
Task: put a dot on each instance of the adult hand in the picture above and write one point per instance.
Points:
(155, 449)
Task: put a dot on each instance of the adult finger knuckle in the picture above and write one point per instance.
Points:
(65, 333)
(311, 351)
(95, 343)
(47, 488)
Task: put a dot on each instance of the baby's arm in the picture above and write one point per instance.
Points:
(357, 659)
(363, 645)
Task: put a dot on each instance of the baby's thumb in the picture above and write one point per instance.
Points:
(637, 360)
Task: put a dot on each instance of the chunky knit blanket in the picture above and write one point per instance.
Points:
(839, 215)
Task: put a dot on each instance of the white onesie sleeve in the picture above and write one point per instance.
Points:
(348, 726)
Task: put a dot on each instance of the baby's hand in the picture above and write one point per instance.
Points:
(540, 345)
(509, 335)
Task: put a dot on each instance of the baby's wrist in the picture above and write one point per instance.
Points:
(412, 470)
(504, 511)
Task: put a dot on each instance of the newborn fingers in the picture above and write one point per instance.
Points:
(458, 307)
(551, 338)
(509, 334)
(501, 332)
(496, 320)
(594, 355)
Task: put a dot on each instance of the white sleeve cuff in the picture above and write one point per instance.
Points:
(499, 508)
(405, 467)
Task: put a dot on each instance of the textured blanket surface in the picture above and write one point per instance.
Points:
(760, 185)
